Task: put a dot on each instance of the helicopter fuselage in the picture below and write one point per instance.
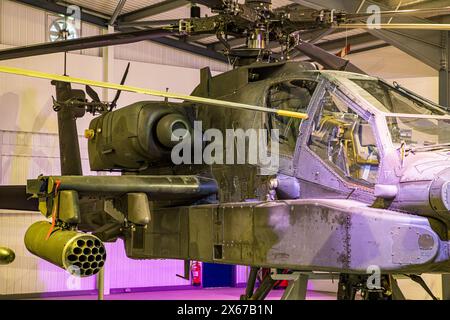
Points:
(357, 184)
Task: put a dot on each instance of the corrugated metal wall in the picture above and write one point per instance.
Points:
(26, 155)
(24, 25)
(21, 25)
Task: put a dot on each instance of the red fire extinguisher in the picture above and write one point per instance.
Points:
(196, 272)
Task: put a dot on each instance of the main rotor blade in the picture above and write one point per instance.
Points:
(156, 93)
(15, 198)
(84, 43)
(387, 26)
(149, 23)
(326, 59)
(410, 12)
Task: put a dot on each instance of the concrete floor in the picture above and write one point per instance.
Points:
(195, 294)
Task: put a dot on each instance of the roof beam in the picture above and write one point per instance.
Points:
(147, 23)
(116, 13)
(98, 21)
(359, 43)
(422, 44)
(152, 10)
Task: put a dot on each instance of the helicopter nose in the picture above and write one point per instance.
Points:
(440, 192)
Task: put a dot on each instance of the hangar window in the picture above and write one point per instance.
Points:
(292, 95)
(344, 140)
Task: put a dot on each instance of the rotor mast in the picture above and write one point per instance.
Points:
(258, 38)
(258, 35)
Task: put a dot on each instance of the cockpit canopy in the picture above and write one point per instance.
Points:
(393, 100)
(412, 121)
(353, 118)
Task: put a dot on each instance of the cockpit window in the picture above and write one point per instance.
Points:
(345, 140)
(292, 95)
(415, 132)
(393, 100)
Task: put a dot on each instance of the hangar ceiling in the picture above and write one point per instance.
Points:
(122, 12)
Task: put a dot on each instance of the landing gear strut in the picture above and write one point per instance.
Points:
(263, 290)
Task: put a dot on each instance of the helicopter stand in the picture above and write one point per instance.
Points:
(250, 283)
(263, 290)
(298, 285)
(266, 286)
(397, 293)
(296, 289)
(101, 284)
(446, 286)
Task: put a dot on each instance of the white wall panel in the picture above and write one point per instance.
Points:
(24, 25)
(128, 273)
(26, 155)
(26, 103)
(151, 52)
(20, 24)
(89, 30)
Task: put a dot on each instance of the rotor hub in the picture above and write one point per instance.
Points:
(258, 2)
(258, 38)
(260, 5)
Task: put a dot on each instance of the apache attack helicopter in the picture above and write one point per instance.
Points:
(362, 179)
